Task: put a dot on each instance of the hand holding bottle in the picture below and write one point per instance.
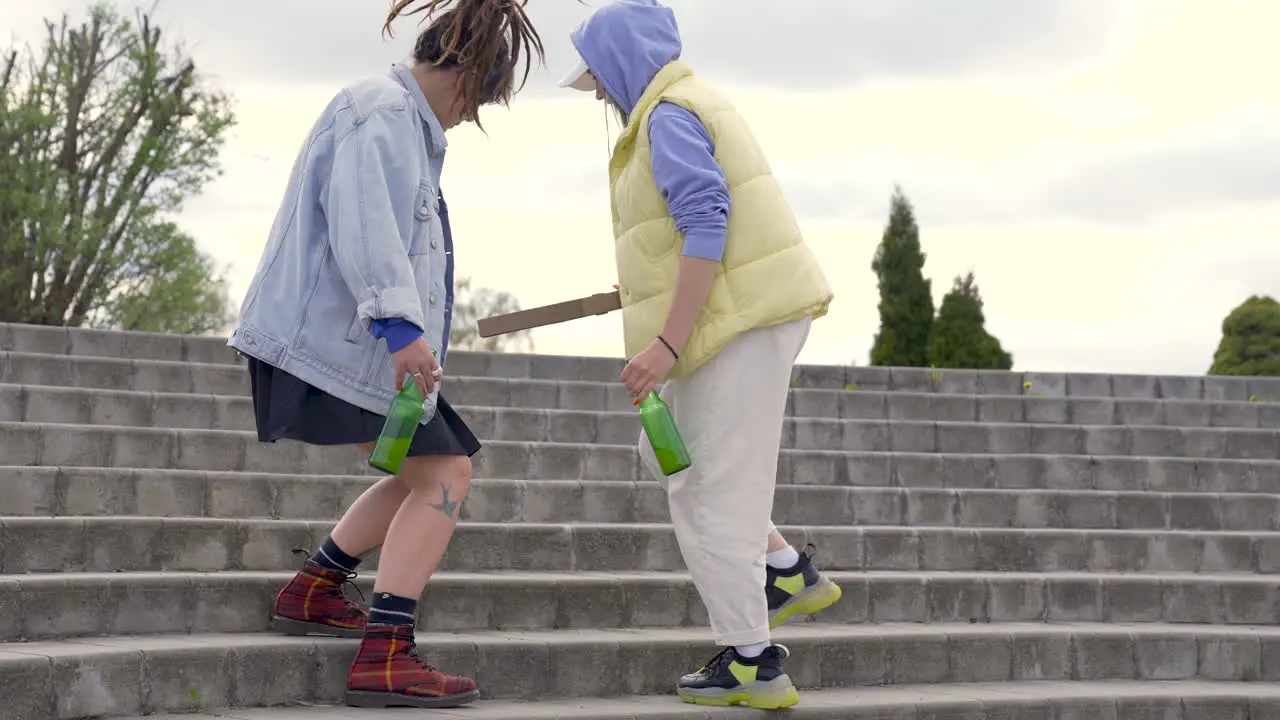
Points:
(419, 360)
(646, 371)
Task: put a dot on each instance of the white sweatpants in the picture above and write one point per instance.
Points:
(730, 412)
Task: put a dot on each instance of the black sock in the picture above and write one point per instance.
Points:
(331, 557)
(391, 609)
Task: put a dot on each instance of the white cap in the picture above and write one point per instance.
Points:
(579, 78)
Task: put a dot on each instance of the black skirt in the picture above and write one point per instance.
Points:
(286, 408)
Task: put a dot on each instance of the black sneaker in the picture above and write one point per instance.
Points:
(730, 679)
(798, 590)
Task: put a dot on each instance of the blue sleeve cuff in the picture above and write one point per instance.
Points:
(706, 243)
(398, 332)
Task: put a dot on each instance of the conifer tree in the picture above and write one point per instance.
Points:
(906, 296)
(960, 338)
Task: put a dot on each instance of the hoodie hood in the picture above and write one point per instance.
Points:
(625, 44)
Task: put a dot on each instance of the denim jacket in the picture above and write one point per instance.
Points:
(358, 238)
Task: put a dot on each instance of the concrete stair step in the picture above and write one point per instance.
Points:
(162, 376)
(961, 407)
(64, 341)
(1032, 700)
(113, 405)
(37, 404)
(110, 544)
(1223, 401)
(41, 607)
(132, 675)
(53, 340)
(52, 491)
(231, 450)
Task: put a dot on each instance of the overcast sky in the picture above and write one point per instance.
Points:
(1110, 169)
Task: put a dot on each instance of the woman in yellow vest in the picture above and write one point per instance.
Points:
(718, 291)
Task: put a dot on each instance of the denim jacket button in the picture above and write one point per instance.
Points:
(432, 298)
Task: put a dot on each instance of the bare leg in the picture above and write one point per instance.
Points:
(387, 668)
(421, 529)
(406, 515)
(364, 525)
(313, 601)
(776, 541)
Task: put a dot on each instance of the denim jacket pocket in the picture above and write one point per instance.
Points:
(426, 206)
(356, 331)
(427, 203)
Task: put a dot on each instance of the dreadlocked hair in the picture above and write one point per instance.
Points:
(472, 36)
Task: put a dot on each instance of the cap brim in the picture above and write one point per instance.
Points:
(579, 78)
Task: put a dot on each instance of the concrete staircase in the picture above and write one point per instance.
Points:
(1011, 545)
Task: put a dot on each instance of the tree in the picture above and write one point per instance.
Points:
(104, 133)
(906, 296)
(1250, 339)
(960, 338)
(171, 287)
(469, 306)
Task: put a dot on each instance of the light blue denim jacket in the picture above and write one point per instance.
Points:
(358, 238)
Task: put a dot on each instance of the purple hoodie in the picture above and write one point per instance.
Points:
(625, 44)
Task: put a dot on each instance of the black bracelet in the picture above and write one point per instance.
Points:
(674, 354)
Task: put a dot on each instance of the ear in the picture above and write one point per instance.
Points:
(457, 79)
(455, 82)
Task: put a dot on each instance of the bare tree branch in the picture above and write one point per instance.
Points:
(469, 306)
(104, 132)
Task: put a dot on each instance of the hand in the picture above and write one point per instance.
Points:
(647, 369)
(416, 359)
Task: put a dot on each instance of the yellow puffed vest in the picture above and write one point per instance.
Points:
(767, 275)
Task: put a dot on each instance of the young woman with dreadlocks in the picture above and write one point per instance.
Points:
(718, 290)
(353, 294)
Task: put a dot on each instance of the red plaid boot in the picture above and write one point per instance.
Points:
(313, 603)
(389, 672)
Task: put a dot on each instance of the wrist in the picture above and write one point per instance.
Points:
(398, 334)
(668, 347)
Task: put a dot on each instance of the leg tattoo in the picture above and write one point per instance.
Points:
(447, 506)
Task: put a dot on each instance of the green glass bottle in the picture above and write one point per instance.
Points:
(403, 418)
(660, 427)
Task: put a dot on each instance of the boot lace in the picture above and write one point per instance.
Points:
(412, 651)
(348, 580)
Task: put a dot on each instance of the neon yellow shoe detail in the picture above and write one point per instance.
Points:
(729, 679)
(799, 590)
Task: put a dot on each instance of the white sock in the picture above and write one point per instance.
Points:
(782, 559)
(751, 651)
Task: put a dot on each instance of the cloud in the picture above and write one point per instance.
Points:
(317, 42)
(823, 197)
(1221, 163)
(1248, 273)
(826, 44)
(808, 45)
(1139, 185)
